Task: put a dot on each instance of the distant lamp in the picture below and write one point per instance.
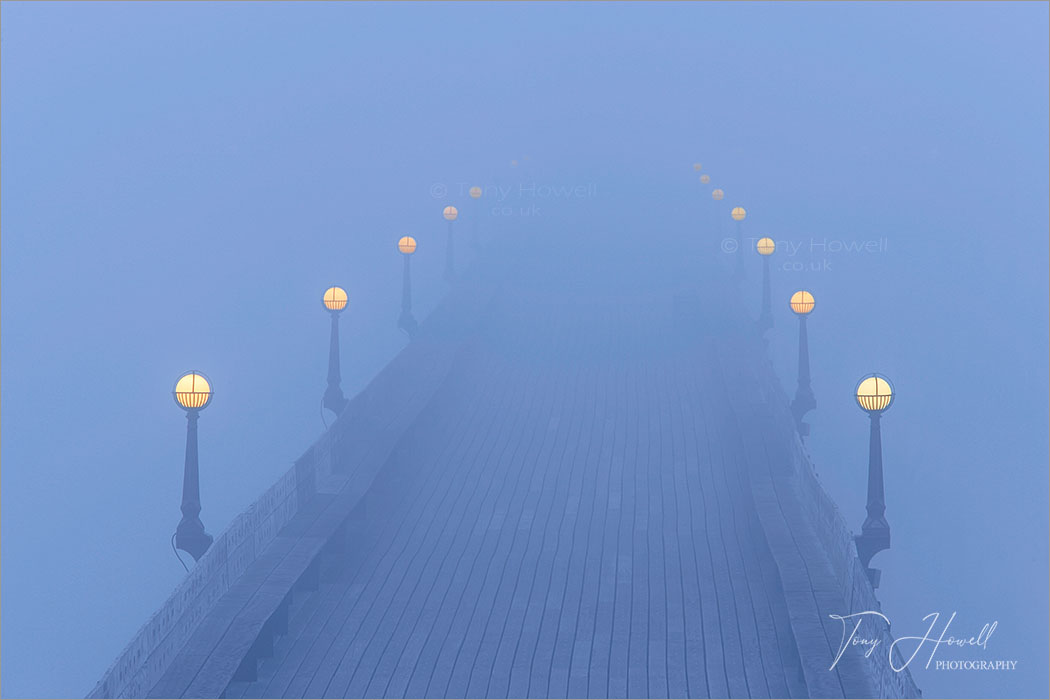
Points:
(874, 395)
(406, 321)
(193, 393)
(697, 167)
(738, 214)
(334, 301)
(450, 213)
(475, 192)
(705, 178)
(718, 195)
(802, 304)
(765, 248)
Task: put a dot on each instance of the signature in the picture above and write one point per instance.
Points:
(851, 639)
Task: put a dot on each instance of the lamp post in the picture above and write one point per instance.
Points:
(335, 301)
(406, 321)
(717, 195)
(450, 213)
(738, 214)
(765, 248)
(192, 393)
(475, 194)
(802, 304)
(874, 395)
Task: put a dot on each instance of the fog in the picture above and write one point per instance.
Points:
(181, 182)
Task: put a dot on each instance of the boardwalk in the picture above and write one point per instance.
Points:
(580, 480)
(569, 517)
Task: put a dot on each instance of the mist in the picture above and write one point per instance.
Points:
(182, 181)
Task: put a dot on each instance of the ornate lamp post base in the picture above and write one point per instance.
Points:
(191, 538)
(407, 323)
(333, 399)
(872, 540)
(803, 403)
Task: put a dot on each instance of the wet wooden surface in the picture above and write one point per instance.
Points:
(569, 517)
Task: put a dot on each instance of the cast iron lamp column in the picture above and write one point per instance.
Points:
(193, 393)
(475, 194)
(406, 321)
(738, 214)
(765, 248)
(450, 213)
(802, 304)
(874, 395)
(705, 179)
(717, 195)
(335, 301)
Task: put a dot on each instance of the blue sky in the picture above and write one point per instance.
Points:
(181, 181)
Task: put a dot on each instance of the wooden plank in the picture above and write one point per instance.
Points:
(716, 675)
(777, 649)
(580, 505)
(421, 612)
(793, 566)
(656, 657)
(331, 675)
(509, 628)
(597, 486)
(613, 444)
(619, 649)
(463, 637)
(480, 640)
(676, 662)
(310, 650)
(696, 670)
(542, 542)
(425, 677)
(528, 538)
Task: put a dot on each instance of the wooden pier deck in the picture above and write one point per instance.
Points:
(569, 517)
